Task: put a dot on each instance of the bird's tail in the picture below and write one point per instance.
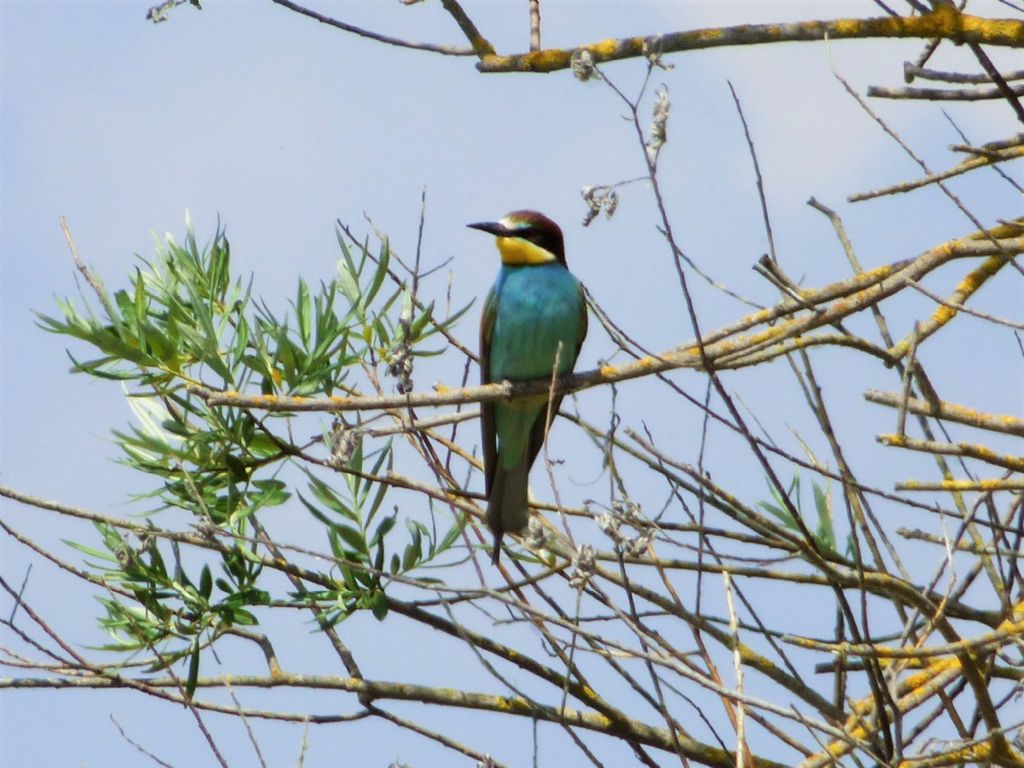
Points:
(507, 507)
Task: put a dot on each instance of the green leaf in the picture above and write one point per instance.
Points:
(193, 674)
(205, 582)
(411, 556)
(240, 471)
(126, 304)
(273, 493)
(262, 446)
(382, 488)
(825, 533)
(449, 538)
(348, 574)
(140, 297)
(304, 312)
(330, 499)
(418, 324)
(379, 605)
(244, 618)
(90, 551)
(382, 530)
(353, 538)
(347, 283)
(315, 512)
(381, 272)
(335, 542)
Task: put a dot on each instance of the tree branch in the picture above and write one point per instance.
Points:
(945, 22)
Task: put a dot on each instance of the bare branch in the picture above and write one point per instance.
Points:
(447, 50)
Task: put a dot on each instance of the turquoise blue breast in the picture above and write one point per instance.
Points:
(537, 307)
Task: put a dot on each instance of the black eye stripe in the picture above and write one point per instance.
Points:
(546, 241)
(536, 229)
(536, 236)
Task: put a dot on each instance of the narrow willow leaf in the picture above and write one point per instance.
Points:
(193, 674)
(304, 312)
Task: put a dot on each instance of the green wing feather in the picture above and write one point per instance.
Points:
(490, 441)
(537, 431)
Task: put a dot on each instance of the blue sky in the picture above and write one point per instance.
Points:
(253, 116)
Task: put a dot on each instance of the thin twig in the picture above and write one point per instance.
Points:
(941, 94)
(447, 50)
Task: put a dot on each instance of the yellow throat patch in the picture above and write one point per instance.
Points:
(517, 251)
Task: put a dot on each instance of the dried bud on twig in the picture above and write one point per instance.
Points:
(400, 367)
(658, 134)
(582, 567)
(343, 442)
(599, 198)
(534, 538)
(582, 64)
(653, 50)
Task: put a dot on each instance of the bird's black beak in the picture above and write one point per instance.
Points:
(491, 227)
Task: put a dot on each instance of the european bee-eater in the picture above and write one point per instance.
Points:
(535, 307)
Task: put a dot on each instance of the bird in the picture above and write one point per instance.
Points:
(535, 311)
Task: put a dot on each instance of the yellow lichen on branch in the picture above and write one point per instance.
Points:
(964, 290)
(912, 692)
(944, 23)
(996, 422)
